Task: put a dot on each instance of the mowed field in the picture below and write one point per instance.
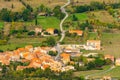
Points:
(82, 2)
(17, 6)
(44, 22)
(48, 3)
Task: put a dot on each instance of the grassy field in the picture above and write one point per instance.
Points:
(80, 16)
(15, 43)
(21, 42)
(85, 73)
(46, 22)
(110, 43)
(115, 73)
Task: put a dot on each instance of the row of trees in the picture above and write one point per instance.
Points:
(32, 73)
(9, 16)
(96, 64)
(95, 6)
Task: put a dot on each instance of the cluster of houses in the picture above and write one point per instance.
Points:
(47, 32)
(37, 58)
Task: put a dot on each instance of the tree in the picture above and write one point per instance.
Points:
(108, 61)
(26, 14)
(74, 18)
(91, 65)
(31, 33)
(99, 62)
(85, 34)
(57, 13)
(52, 53)
(50, 41)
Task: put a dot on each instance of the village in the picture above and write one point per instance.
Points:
(38, 57)
(59, 39)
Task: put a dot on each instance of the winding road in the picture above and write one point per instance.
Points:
(91, 75)
(62, 21)
(62, 31)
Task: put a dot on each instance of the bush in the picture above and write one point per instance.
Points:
(3, 42)
(52, 53)
(31, 33)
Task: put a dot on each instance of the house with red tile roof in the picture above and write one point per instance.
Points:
(50, 30)
(78, 32)
(38, 30)
(112, 58)
(65, 57)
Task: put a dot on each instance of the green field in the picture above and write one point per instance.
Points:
(48, 22)
(15, 43)
(115, 73)
(21, 42)
(80, 16)
(85, 73)
(1, 25)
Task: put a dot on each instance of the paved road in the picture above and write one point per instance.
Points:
(62, 21)
(92, 75)
(61, 28)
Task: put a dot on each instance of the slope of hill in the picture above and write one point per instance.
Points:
(13, 5)
(82, 2)
(52, 3)
(16, 5)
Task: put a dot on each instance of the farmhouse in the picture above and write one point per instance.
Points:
(78, 32)
(109, 57)
(50, 30)
(93, 45)
(117, 62)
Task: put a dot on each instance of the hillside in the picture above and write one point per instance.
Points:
(16, 5)
(82, 2)
(13, 5)
(52, 3)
